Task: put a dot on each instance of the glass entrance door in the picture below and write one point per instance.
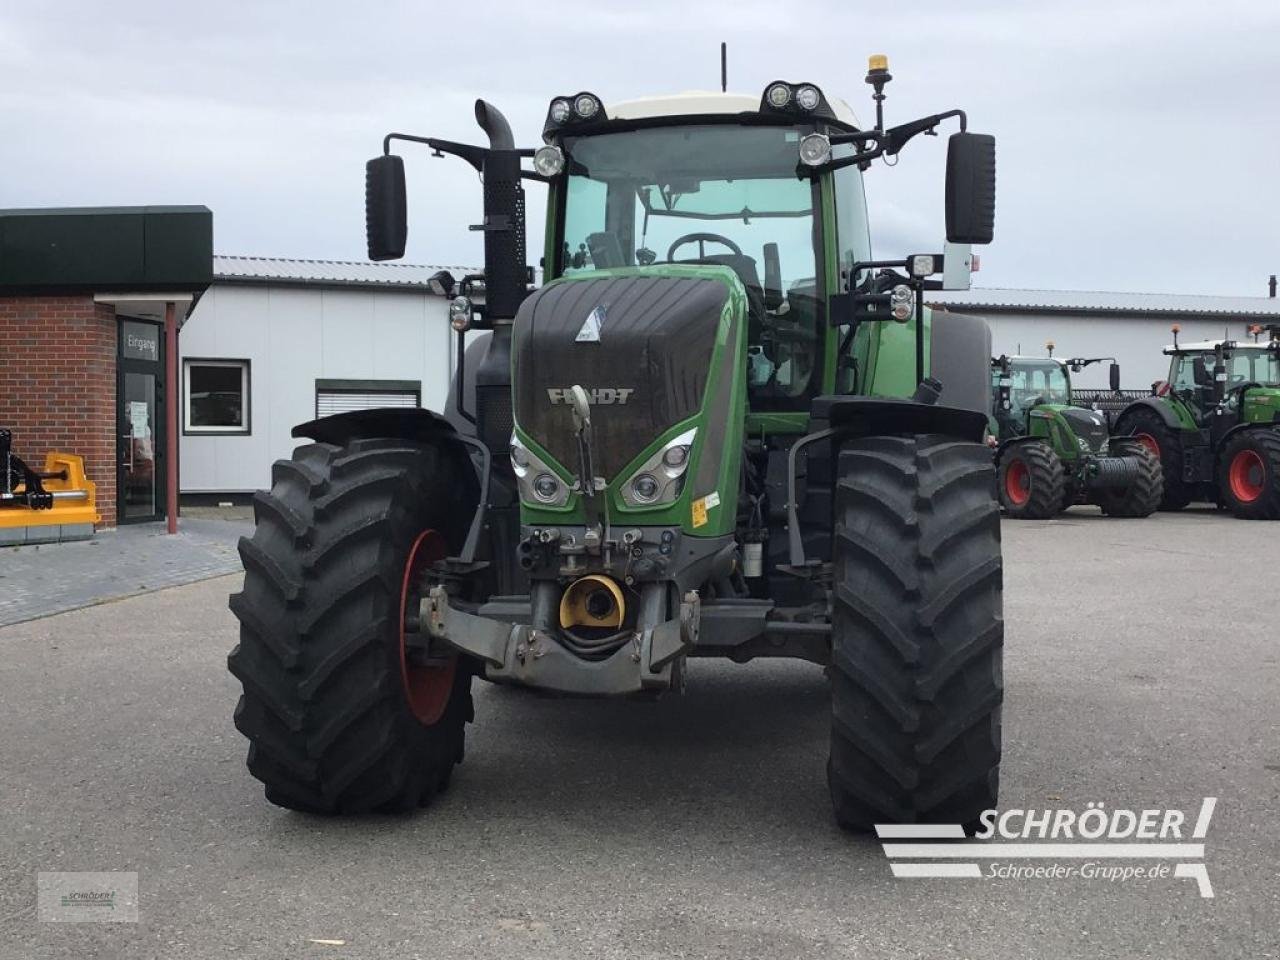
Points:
(138, 475)
(140, 425)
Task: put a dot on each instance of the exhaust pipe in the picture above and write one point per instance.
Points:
(495, 126)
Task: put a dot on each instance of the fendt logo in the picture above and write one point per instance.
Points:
(599, 396)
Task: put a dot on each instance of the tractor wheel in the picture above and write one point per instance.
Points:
(1141, 498)
(1249, 474)
(338, 719)
(917, 634)
(1032, 482)
(1149, 427)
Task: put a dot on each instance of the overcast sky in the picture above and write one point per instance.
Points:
(1138, 143)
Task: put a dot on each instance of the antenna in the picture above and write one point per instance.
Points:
(724, 67)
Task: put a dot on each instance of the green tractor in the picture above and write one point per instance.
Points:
(1215, 424)
(719, 429)
(1053, 454)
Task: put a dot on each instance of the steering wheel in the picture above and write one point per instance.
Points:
(702, 239)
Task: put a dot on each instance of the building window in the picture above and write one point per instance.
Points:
(343, 396)
(215, 396)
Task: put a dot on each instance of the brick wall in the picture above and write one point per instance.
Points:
(58, 384)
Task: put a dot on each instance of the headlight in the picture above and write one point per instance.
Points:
(538, 483)
(815, 150)
(660, 479)
(545, 487)
(778, 95)
(807, 97)
(645, 487)
(548, 161)
(460, 310)
(560, 110)
(586, 106)
(900, 302)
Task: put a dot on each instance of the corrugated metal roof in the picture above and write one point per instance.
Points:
(1098, 301)
(328, 272)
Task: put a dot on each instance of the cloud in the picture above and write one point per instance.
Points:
(1136, 140)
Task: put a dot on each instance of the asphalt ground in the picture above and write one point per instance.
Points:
(1142, 670)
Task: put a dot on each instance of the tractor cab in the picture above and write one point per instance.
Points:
(1209, 373)
(712, 192)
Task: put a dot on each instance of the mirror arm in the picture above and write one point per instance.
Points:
(885, 142)
(897, 137)
(469, 152)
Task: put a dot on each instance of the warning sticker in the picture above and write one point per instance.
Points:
(700, 508)
(699, 513)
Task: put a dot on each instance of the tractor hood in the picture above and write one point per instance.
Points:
(640, 344)
(1089, 426)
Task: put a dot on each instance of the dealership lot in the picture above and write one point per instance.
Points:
(1142, 670)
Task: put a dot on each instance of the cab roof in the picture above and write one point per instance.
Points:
(706, 102)
(1208, 346)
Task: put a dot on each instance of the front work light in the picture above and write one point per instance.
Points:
(560, 110)
(807, 97)
(548, 161)
(778, 95)
(441, 283)
(586, 106)
(815, 149)
(922, 265)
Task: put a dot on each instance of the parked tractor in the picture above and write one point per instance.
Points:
(1053, 454)
(1215, 424)
(719, 429)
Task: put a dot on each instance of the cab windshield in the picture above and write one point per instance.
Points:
(1193, 372)
(709, 194)
(1254, 366)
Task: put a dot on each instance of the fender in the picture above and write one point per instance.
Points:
(399, 422)
(420, 426)
(1241, 428)
(868, 416)
(1156, 404)
(837, 418)
(1015, 442)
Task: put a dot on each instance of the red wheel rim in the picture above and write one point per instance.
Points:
(1017, 483)
(1246, 475)
(1148, 441)
(426, 689)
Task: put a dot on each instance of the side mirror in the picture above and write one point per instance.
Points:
(385, 217)
(772, 277)
(971, 187)
(1115, 378)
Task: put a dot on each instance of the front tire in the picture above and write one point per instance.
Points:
(917, 634)
(1149, 428)
(1142, 497)
(1249, 474)
(1032, 481)
(338, 720)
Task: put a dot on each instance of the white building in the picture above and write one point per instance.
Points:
(1132, 327)
(274, 343)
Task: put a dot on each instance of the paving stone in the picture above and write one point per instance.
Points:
(37, 580)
